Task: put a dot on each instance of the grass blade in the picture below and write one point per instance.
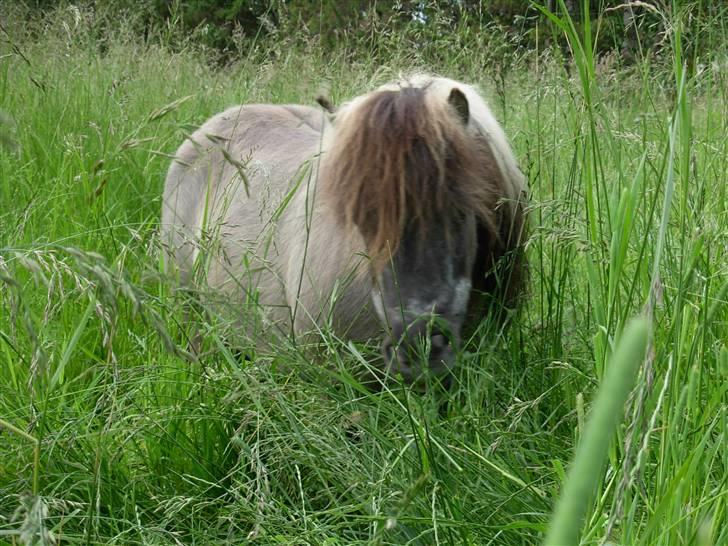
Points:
(592, 450)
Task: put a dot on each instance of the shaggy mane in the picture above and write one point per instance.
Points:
(400, 158)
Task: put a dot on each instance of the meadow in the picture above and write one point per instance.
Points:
(111, 433)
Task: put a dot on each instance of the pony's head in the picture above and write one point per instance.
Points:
(416, 175)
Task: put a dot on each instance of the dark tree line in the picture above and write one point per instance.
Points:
(623, 26)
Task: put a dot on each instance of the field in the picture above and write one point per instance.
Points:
(111, 434)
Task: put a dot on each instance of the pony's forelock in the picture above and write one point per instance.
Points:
(402, 156)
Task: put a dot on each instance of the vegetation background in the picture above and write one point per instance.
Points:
(110, 433)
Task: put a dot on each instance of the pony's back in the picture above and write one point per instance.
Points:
(227, 176)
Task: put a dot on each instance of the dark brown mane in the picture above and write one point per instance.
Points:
(405, 157)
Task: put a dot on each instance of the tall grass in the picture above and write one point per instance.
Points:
(111, 433)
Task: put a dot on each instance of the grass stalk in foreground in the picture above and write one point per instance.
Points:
(592, 449)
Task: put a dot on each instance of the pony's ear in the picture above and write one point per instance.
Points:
(326, 104)
(328, 107)
(458, 101)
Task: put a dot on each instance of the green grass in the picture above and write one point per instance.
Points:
(109, 434)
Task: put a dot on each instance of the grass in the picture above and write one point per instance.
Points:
(593, 446)
(110, 435)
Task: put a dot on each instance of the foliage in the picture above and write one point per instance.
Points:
(626, 27)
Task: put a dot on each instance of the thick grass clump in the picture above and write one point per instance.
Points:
(111, 433)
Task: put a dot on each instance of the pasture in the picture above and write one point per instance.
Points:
(111, 433)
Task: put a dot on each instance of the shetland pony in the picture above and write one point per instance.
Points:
(401, 215)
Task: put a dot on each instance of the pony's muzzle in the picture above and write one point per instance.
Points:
(414, 353)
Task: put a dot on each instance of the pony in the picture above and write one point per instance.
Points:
(399, 216)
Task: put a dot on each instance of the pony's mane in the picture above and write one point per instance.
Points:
(400, 157)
